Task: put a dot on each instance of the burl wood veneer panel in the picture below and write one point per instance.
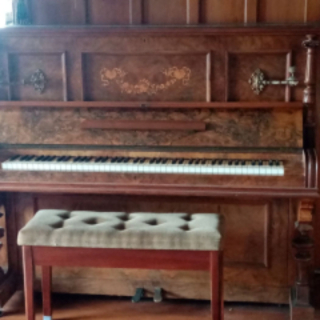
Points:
(233, 128)
(284, 11)
(226, 11)
(241, 65)
(247, 240)
(23, 65)
(247, 277)
(109, 12)
(58, 12)
(146, 77)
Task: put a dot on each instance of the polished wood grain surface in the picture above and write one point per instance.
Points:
(176, 12)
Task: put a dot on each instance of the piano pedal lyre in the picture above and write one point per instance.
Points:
(138, 295)
(157, 295)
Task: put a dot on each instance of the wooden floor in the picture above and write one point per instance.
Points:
(78, 307)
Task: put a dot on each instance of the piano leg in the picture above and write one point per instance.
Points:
(28, 268)
(300, 299)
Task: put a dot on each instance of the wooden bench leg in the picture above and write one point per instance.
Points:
(216, 267)
(28, 270)
(46, 292)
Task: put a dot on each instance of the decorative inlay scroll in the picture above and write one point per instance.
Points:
(118, 76)
(258, 80)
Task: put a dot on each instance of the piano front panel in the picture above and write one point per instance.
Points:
(256, 247)
(222, 128)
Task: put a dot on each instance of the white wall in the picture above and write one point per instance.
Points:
(5, 8)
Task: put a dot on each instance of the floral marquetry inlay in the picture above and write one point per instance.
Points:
(118, 76)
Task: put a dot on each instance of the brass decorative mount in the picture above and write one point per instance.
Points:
(37, 79)
(258, 80)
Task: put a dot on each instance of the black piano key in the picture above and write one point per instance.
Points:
(14, 158)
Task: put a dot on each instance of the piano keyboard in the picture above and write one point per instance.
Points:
(145, 165)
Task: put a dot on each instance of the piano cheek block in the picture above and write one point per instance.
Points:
(144, 125)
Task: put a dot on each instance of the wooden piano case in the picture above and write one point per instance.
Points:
(165, 90)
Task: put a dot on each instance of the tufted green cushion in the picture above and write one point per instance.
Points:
(88, 229)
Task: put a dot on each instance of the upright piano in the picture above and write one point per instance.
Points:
(166, 119)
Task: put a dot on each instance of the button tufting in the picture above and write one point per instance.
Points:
(119, 227)
(91, 221)
(57, 225)
(152, 222)
(64, 216)
(185, 228)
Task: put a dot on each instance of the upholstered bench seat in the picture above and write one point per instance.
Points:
(157, 241)
(153, 231)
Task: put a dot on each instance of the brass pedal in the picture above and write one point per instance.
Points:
(138, 295)
(157, 295)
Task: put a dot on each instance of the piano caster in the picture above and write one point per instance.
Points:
(138, 295)
(157, 295)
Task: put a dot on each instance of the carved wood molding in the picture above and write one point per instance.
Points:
(305, 211)
(303, 245)
(310, 44)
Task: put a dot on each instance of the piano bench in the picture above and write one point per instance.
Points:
(171, 241)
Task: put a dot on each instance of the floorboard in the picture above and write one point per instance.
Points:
(80, 307)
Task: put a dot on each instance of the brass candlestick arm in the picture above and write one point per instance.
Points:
(37, 79)
(258, 80)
